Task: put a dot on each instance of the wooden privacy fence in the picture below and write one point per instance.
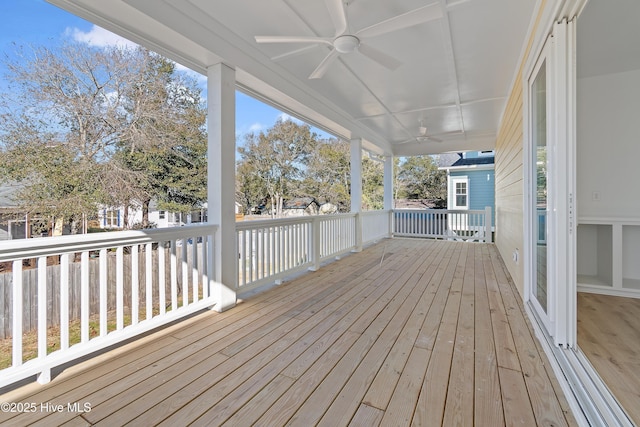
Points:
(53, 273)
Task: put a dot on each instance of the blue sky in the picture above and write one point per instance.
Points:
(36, 22)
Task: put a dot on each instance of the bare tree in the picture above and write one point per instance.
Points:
(60, 121)
(74, 118)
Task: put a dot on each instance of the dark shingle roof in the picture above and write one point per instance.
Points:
(453, 160)
(299, 203)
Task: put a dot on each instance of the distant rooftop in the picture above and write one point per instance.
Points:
(7, 194)
(459, 159)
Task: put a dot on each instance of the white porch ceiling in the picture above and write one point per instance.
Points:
(455, 74)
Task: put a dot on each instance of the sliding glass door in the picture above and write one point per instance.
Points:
(539, 189)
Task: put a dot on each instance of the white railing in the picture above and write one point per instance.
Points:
(338, 234)
(269, 250)
(376, 225)
(87, 292)
(466, 225)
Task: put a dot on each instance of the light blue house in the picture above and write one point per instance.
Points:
(470, 180)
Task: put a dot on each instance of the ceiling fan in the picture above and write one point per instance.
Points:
(423, 135)
(345, 42)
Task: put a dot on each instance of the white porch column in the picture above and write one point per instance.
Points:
(388, 183)
(221, 123)
(388, 190)
(356, 175)
(356, 188)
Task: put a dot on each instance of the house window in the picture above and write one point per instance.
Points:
(111, 218)
(162, 214)
(460, 190)
(196, 216)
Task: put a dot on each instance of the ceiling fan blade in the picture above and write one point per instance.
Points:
(432, 138)
(409, 19)
(294, 39)
(338, 15)
(293, 53)
(324, 65)
(378, 56)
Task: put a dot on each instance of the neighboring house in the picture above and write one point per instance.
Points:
(15, 223)
(12, 221)
(470, 180)
(300, 206)
(113, 217)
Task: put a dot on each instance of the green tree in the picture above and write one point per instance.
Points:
(328, 174)
(162, 154)
(250, 188)
(419, 178)
(278, 158)
(372, 184)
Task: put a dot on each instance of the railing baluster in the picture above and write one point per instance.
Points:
(185, 271)
(162, 280)
(102, 274)
(135, 284)
(148, 280)
(205, 267)
(42, 307)
(119, 288)
(250, 257)
(84, 297)
(194, 269)
(174, 275)
(64, 301)
(273, 260)
(16, 326)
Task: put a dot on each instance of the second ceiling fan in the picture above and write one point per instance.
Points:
(345, 42)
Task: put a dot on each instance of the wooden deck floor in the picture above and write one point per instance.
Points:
(609, 335)
(407, 332)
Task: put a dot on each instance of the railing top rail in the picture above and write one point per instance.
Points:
(262, 223)
(45, 246)
(340, 215)
(460, 211)
(376, 212)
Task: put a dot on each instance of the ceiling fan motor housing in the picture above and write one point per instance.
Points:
(346, 43)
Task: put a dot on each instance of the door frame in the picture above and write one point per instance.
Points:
(557, 53)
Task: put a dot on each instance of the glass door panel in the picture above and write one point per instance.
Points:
(539, 183)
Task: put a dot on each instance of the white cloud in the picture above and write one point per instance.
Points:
(256, 127)
(98, 37)
(286, 117)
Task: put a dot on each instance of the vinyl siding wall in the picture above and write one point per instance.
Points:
(509, 200)
(481, 188)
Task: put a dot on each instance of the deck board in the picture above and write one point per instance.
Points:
(431, 333)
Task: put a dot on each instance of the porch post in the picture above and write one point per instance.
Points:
(356, 188)
(388, 190)
(221, 183)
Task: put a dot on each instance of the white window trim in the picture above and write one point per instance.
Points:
(452, 192)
